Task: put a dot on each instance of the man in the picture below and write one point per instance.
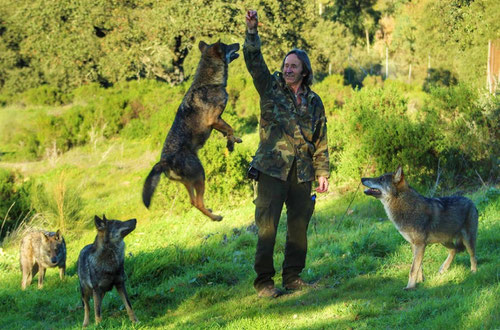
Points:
(292, 153)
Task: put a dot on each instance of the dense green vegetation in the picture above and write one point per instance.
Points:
(66, 44)
(89, 89)
(185, 271)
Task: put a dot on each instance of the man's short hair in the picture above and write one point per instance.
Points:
(306, 65)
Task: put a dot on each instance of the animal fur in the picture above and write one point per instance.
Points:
(100, 266)
(451, 221)
(199, 113)
(41, 250)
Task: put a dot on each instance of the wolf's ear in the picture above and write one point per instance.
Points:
(100, 224)
(57, 236)
(46, 235)
(398, 175)
(202, 46)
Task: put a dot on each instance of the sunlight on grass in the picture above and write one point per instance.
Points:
(185, 271)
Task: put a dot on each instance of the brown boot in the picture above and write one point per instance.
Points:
(297, 284)
(269, 291)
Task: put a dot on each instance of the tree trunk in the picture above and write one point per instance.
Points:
(367, 41)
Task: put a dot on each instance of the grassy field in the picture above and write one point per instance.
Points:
(185, 271)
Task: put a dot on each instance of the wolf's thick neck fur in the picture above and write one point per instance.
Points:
(110, 255)
(210, 72)
(401, 206)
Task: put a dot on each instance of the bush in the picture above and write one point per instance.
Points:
(45, 95)
(452, 134)
(375, 131)
(333, 93)
(59, 203)
(15, 201)
(468, 144)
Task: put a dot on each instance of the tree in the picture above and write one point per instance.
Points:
(359, 17)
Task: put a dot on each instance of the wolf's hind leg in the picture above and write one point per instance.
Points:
(197, 199)
(469, 236)
(446, 264)
(470, 245)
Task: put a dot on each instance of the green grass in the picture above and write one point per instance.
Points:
(185, 271)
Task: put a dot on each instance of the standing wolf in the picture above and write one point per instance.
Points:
(451, 221)
(41, 250)
(100, 266)
(199, 113)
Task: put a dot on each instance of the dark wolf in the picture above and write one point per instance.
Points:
(199, 113)
(100, 266)
(451, 221)
(41, 250)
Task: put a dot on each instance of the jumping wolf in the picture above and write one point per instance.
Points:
(199, 113)
(41, 250)
(451, 221)
(100, 266)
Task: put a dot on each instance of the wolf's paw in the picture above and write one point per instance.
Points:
(215, 217)
(231, 140)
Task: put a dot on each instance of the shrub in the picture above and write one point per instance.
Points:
(373, 130)
(58, 202)
(452, 135)
(468, 143)
(333, 93)
(45, 95)
(14, 201)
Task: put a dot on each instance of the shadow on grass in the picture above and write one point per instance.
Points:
(209, 285)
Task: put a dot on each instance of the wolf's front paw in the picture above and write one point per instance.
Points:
(231, 139)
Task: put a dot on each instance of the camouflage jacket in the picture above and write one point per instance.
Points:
(287, 131)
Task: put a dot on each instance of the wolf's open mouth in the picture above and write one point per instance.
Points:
(234, 55)
(373, 192)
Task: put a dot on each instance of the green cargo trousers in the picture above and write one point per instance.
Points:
(272, 193)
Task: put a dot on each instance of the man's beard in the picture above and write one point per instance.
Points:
(292, 79)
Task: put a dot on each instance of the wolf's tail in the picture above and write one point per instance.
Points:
(151, 182)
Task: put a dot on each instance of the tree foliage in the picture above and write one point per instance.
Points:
(66, 44)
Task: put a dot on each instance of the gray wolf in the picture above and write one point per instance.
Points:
(199, 113)
(41, 250)
(100, 266)
(451, 221)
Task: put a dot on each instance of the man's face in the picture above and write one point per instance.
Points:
(292, 70)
